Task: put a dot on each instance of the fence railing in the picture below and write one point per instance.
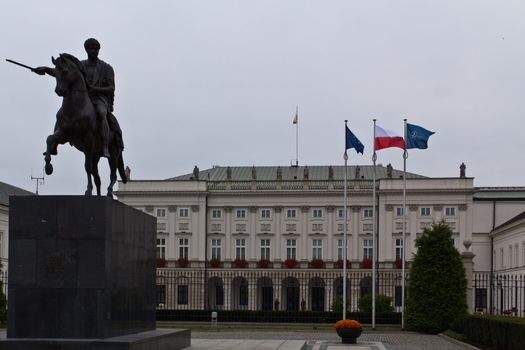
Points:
(499, 294)
(277, 294)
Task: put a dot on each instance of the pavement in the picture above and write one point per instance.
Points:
(312, 340)
(247, 340)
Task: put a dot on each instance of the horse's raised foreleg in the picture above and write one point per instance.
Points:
(88, 167)
(96, 175)
(52, 143)
(113, 173)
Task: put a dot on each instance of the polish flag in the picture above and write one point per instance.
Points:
(385, 138)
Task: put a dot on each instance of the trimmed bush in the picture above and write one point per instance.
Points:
(437, 283)
(337, 305)
(383, 303)
(498, 332)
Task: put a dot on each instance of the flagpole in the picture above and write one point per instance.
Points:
(405, 156)
(374, 254)
(297, 136)
(345, 257)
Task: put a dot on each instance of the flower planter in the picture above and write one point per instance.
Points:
(240, 263)
(339, 264)
(215, 263)
(349, 335)
(317, 264)
(161, 262)
(263, 264)
(182, 262)
(290, 263)
(366, 264)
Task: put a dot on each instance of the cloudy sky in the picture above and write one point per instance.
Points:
(217, 82)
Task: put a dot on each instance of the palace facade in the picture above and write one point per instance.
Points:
(272, 237)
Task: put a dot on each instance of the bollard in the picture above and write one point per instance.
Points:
(214, 318)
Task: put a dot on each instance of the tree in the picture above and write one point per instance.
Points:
(437, 284)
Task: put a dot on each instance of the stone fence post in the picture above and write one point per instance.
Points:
(468, 263)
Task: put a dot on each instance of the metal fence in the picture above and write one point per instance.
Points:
(499, 294)
(278, 293)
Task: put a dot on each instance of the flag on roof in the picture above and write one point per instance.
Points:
(385, 138)
(417, 136)
(353, 142)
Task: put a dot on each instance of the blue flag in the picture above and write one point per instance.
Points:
(417, 137)
(353, 142)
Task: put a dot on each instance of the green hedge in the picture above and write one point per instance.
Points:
(274, 316)
(499, 332)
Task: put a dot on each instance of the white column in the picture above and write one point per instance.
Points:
(276, 244)
(329, 243)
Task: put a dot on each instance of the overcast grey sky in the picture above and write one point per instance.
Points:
(216, 83)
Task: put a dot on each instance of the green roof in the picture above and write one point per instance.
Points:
(290, 173)
(500, 193)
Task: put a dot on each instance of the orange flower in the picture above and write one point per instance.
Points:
(352, 324)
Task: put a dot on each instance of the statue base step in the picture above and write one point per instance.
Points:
(160, 339)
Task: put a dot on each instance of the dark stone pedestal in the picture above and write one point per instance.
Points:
(80, 268)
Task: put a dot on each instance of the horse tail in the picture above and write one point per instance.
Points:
(121, 170)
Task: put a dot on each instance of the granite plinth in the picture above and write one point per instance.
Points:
(160, 339)
(80, 267)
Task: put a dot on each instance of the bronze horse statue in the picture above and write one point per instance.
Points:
(77, 124)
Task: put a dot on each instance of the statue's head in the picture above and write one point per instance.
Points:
(92, 47)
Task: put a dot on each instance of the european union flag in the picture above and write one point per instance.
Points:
(353, 142)
(417, 137)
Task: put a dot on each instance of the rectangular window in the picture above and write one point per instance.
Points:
(341, 213)
(516, 255)
(399, 211)
(291, 213)
(317, 227)
(368, 213)
(219, 296)
(184, 248)
(265, 249)
(317, 249)
(399, 248)
(216, 213)
(161, 212)
(317, 213)
(425, 211)
(398, 296)
(266, 214)
(522, 253)
(240, 214)
(501, 259)
(340, 250)
(291, 249)
(183, 212)
(161, 248)
(367, 249)
(480, 298)
(182, 294)
(243, 294)
(240, 248)
(161, 294)
(450, 211)
(216, 249)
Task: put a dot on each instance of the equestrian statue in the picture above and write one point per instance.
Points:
(85, 119)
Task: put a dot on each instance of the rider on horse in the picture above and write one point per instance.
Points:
(100, 79)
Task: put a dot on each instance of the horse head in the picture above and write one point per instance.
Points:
(69, 74)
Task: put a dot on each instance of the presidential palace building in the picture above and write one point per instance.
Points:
(271, 237)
